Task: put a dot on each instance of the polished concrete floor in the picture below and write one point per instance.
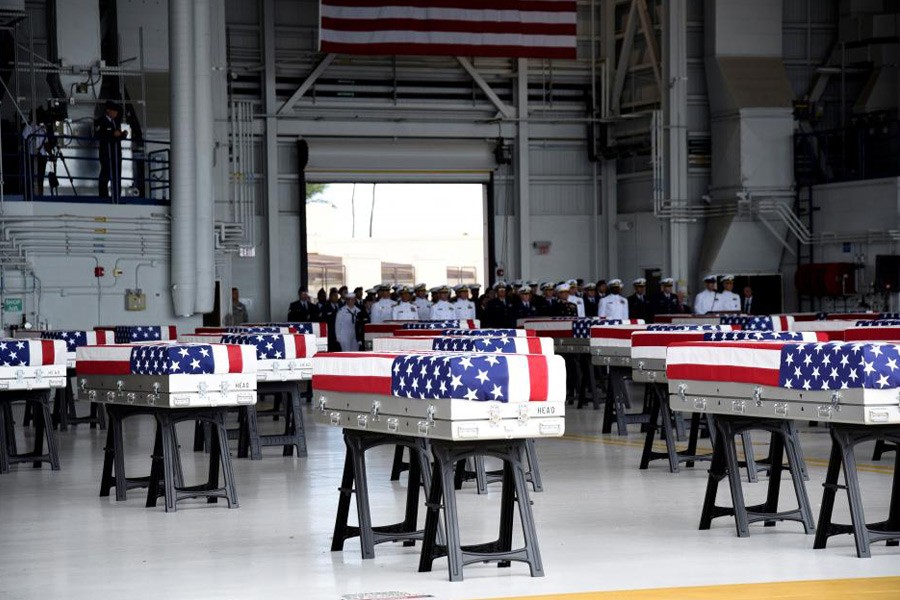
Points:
(602, 525)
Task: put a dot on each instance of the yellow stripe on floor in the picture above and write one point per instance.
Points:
(885, 469)
(872, 588)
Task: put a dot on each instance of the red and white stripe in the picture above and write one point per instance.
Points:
(523, 345)
(41, 352)
(116, 359)
(502, 28)
(653, 344)
(872, 334)
(613, 336)
(834, 331)
(533, 377)
(782, 322)
(437, 333)
(735, 362)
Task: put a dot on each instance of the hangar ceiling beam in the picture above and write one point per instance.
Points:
(650, 36)
(307, 83)
(624, 54)
(507, 111)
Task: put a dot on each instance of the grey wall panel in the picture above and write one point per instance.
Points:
(561, 198)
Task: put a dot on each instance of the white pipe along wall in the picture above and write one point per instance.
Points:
(203, 156)
(183, 160)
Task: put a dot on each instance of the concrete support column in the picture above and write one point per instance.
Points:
(675, 132)
(270, 157)
(523, 170)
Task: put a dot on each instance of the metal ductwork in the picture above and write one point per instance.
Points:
(751, 114)
(868, 35)
(183, 188)
(203, 157)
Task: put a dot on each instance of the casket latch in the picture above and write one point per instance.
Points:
(119, 385)
(494, 414)
(376, 406)
(757, 396)
(640, 365)
(682, 388)
(523, 414)
(82, 383)
(426, 425)
(322, 403)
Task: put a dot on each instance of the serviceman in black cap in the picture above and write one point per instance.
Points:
(665, 302)
(109, 134)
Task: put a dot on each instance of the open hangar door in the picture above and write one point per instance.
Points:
(396, 210)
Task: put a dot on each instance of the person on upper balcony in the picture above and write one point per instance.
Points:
(109, 133)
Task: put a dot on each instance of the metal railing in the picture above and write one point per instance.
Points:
(52, 165)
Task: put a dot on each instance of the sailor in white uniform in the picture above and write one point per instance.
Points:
(422, 303)
(345, 324)
(728, 301)
(707, 300)
(382, 310)
(614, 306)
(465, 308)
(442, 310)
(405, 310)
(575, 296)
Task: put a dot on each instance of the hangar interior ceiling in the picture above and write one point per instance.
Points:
(647, 152)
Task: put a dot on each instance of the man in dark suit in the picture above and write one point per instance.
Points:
(109, 134)
(665, 302)
(547, 300)
(748, 307)
(302, 310)
(638, 303)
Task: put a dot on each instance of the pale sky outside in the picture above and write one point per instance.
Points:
(431, 226)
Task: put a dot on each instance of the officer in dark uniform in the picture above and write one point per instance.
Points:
(499, 311)
(303, 310)
(544, 303)
(563, 307)
(638, 303)
(525, 308)
(109, 134)
(665, 302)
(591, 300)
(328, 315)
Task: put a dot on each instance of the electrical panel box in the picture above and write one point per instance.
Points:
(135, 300)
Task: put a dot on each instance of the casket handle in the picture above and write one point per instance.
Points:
(737, 406)
(700, 404)
(335, 418)
(129, 397)
(393, 424)
(362, 421)
(110, 396)
(92, 395)
(781, 408)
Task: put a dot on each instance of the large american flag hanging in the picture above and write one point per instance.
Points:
(502, 28)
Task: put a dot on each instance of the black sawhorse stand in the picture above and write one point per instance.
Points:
(250, 441)
(484, 478)
(164, 472)
(354, 481)
(660, 412)
(515, 492)
(725, 466)
(617, 403)
(64, 409)
(586, 369)
(113, 475)
(843, 440)
(881, 447)
(40, 400)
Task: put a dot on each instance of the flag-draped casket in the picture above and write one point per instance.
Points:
(833, 381)
(279, 357)
(454, 396)
(176, 375)
(32, 364)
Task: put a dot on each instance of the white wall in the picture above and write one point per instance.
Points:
(68, 294)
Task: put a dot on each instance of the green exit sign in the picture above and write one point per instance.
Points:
(12, 305)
